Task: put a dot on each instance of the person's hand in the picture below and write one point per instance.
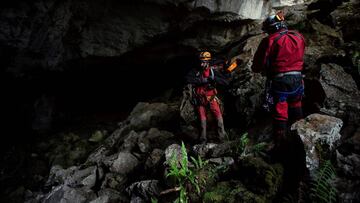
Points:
(204, 80)
(210, 79)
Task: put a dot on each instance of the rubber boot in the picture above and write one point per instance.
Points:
(221, 129)
(203, 138)
(295, 114)
(279, 133)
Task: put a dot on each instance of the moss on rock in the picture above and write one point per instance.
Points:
(232, 192)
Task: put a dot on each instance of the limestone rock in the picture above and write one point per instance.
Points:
(144, 190)
(146, 115)
(125, 163)
(317, 129)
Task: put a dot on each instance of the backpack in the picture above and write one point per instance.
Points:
(268, 98)
(188, 103)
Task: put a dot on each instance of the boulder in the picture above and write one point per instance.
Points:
(159, 138)
(317, 129)
(341, 93)
(203, 150)
(68, 194)
(70, 185)
(124, 164)
(143, 191)
(171, 151)
(110, 196)
(114, 181)
(154, 159)
(147, 115)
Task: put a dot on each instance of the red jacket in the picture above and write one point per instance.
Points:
(279, 52)
(196, 78)
(203, 89)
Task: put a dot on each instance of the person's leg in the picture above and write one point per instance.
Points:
(295, 110)
(215, 109)
(280, 121)
(202, 115)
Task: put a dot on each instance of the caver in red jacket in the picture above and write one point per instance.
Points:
(280, 57)
(204, 80)
(282, 51)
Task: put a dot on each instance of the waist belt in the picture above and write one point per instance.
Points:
(287, 73)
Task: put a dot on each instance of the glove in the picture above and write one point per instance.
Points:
(210, 80)
(204, 80)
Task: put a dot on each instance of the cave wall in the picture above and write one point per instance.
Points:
(46, 34)
(104, 47)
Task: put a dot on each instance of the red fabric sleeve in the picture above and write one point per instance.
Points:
(259, 60)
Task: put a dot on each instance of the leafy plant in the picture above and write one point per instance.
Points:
(258, 148)
(241, 147)
(321, 188)
(154, 200)
(185, 175)
(199, 163)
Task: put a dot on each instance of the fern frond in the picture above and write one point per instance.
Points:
(195, 162)
(321, 188)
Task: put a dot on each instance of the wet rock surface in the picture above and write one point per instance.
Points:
(317, 129)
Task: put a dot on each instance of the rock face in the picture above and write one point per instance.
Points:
(342, 94)
(48, 34)
(344, 16)
(348, 181)
(246, 9)
(247, 87)
(256, 9)
(317, 129)
(60, 31)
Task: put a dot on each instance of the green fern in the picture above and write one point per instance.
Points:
(199, 163)
(186, 175)
(321, 188)
(243, 148)
(154, 200)
(258, 148)
(244, 140)
(242, 144)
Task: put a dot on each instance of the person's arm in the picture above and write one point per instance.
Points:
(221, 79)
(192, 78)
(260, 57)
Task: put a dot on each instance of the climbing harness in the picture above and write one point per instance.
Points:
(269, 93)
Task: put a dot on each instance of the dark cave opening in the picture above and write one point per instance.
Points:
(87, 95)
(89, 92)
